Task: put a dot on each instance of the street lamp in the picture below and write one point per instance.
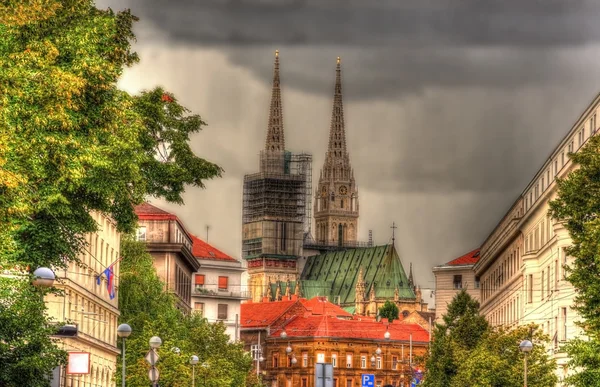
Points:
(283, 334)
(386, 335)
(526, 346)
(378, 351)
(123, 331)
(193, 361)
(155, 342)
(43, 277)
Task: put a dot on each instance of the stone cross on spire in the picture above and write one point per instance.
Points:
(337, 131)
(275, 140)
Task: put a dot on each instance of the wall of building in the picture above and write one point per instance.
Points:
(445, 289)
(89, 306)
(522, 262)
(207, 298)
(392, 366)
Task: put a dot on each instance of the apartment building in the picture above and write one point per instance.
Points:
(170, 245)
(90, 302)
(522, 261)
(451, 278)
(216, 289)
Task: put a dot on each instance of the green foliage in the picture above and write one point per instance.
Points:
(27, 353)
(465, 351)
(151, 311)
(71, 141)
(496, 361)
(389, 310)
(462, 330)
(578, 206)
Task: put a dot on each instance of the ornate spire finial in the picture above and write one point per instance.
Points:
(337, 131)
(275, 140)
(410, 277)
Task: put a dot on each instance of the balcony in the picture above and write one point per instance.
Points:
(201, 291)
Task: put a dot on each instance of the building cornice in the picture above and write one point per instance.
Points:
(162, 247)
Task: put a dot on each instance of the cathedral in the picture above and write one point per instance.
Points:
(285, 256)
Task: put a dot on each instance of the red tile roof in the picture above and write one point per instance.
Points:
(470, 258)
(328, 326)
(320, 306)
(147, 211)
(263, 314)
(203, 250)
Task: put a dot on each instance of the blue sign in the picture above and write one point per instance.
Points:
(367, 380)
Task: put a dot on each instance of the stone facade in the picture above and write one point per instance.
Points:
(336, 198)
(88, 305)
(522, 261)
(353, 346)
(171, 247)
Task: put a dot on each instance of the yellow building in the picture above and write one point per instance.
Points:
(521, 264)
(88, 305)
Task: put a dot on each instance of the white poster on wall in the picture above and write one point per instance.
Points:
(78, 363)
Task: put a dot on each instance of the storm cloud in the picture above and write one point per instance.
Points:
(451, 106)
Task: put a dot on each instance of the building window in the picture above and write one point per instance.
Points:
(378, 362)
(349, 382)
(304, 359)
(140, 234)
(199, 308)
(542, 283)
(199, 280)
(334, 359)
(320, 358)
(304, 382)
(458, 282)
(363, 361)
(275, 360)
(394, 363)
(555, 167)
(222, 312)
(223, 283)
(530, 285)
(349, 360)
(564, 324)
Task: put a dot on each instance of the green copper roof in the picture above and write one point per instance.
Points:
(335, 274)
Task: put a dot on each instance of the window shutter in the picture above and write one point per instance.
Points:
(199, 279)
(223, 282)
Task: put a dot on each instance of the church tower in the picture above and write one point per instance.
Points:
(274, 207)
(336, 199)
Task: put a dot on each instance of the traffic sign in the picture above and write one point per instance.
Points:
(153, 374)
(152, 357)
(367, 380)
(323, 375)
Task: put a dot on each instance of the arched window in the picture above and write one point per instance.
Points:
(342, 203)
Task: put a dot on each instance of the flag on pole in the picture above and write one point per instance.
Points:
(110, 279)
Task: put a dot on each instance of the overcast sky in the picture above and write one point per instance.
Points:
(451, 106)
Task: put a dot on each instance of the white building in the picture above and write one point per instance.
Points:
(522, 261)
(217, 287)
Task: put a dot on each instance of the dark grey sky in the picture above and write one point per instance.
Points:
(450, 106)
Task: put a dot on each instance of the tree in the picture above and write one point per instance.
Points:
(151, 311)
(72, 142)
(27, 352)
(389, 310)
(497, 361)
(577, 206)
(461, 331)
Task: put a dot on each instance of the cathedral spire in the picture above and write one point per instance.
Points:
(275, 139)
(337, 131)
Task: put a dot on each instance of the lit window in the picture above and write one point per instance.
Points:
(378, 362)
(363, 362)
(334, 359)
(304, 359)
(348, 361)
(320, 358)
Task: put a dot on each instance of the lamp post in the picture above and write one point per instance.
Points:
(205, 366)
(193, 361)
(155, 343)
(526, 346)
(123, 331)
